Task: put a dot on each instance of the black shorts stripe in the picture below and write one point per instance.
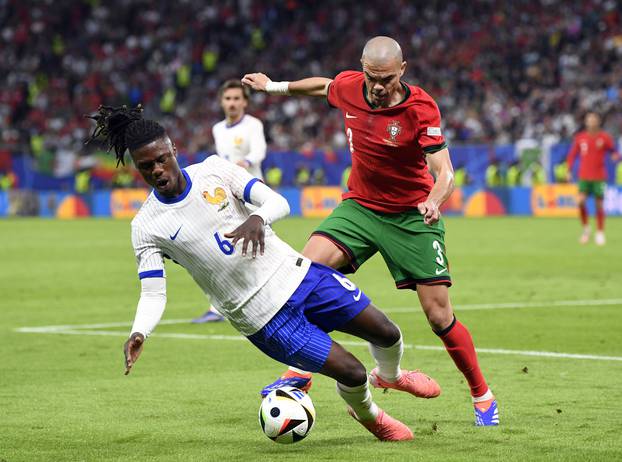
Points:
(352, 265)
(412, 283)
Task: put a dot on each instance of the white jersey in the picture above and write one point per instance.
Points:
(244, 140)
(190, 231)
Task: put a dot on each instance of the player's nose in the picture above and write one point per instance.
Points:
(377, 88)
(157, 171)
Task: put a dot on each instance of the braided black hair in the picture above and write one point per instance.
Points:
(124, 128)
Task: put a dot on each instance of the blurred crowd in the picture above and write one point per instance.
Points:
(499, 70)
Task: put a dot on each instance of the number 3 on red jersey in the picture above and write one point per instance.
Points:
(349, 133)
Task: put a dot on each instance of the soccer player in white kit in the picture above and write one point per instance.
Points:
(240, 139)
(281, 301)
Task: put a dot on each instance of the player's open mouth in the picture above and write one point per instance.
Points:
(161, 183)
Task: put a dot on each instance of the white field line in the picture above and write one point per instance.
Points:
(516, 305)
(468, 307)
(83, 330)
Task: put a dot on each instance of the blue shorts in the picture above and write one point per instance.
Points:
(297, 335)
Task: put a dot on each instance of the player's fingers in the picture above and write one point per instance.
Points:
(422, 208)
(128, 364)
(427, 218)
(245, 246)
(126, 351)
(434, 216)
(262, 245)
(255, 247)
(231, 233)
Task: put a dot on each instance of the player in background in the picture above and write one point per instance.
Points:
(240, 139)
(392, 203)
(591, 147)
(281, 301)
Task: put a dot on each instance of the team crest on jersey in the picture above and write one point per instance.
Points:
(393, 129)
(219, 198)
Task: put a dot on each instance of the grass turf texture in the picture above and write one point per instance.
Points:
(64, 397)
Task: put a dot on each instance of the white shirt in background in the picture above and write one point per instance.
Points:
(244, 140)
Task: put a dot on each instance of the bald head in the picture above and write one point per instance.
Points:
(382, 50)
(383, 68)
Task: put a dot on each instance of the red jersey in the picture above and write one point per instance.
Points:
(592, 149)
(388, 145)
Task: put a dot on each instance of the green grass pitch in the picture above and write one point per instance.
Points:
(520, 284)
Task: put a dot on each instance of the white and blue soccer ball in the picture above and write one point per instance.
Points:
(286, 415)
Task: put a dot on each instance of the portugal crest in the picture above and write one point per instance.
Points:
(393, 129)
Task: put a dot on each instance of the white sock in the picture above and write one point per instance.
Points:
(388, 359)
(299, 371)
(360, 400)
(485, 397)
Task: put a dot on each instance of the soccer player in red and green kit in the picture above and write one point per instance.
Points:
(592, 146)
(392, 205)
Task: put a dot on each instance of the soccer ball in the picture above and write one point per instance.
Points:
(286, 415)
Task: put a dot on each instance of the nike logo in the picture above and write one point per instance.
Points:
(349, 116)
(174, 236)
(357, 297)
(440, 271)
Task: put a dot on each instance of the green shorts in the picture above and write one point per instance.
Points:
(592, 188)
(413, 251)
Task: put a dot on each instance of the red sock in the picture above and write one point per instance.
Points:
(583, 212)
(459, 345)
(600, 218)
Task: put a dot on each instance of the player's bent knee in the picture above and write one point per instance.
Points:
(440, 319)
(354, 376)
(439, 315)
(346, 370)
(388, 334)
(380, 330)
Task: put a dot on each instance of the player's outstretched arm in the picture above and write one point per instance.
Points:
(148, 314)
(312, 86)
(440, 164)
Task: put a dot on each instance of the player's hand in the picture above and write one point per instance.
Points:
(430, 211)
(132, 350)
(252, 230)
(256, 81)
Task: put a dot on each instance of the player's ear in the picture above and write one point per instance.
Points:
(402, 68)
(174, 149)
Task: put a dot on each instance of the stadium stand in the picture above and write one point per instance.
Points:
(505, 78)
